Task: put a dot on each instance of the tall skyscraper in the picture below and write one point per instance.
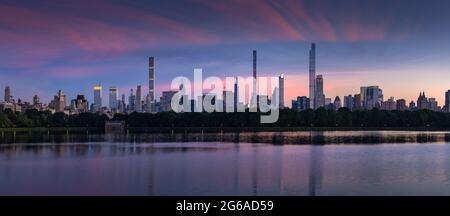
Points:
(131, 101)
(151, 85)
(254, 97)
(281, 89)
(236, 94)
(447, 101)
(97, 106)
(113, 98)
(138, 102)
(7, 94)
(312, 76)
(319, 96)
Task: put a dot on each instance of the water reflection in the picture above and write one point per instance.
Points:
(97, 164)
(301, 137)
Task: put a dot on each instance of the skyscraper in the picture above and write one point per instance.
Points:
(138, 102)
(113, 98)
(131, 102)
(97, 98)
(236, 94)
(254, 100)
(349, 102)
(319, 96)
(447, 101)
(312, 76)
(337, 103)
(151, 85)
(401, 105)
(422, 101)
(281, 89)
(7, 94)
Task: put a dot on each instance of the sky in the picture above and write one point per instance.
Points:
(400, 45)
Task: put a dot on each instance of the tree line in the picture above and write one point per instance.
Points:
(287, 118)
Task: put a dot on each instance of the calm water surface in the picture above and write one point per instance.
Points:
(110, 166)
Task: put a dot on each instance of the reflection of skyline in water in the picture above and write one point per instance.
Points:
(217, 168)
(300, 137)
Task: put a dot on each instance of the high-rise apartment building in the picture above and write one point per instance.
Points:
(312, 76)
(8, 94)
(319, 96)
(138, 99)
(151, 85)
(447, 101)
(281, 91)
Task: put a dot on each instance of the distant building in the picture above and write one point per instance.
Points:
(281, 90)
(337, 103)
(113, 99)
(97, 106)
(138, 99)
(401, 105)
(357, 102)
(390, 104)
(371, 97)
(79, 105)
(166, 100)
(412, 106)
(151, 85)
(319, 96)
(433, 105)
(8, 97)
(302, 103)
(312, 77)
(348, 102)
(131, 102)
(59, 102)
(447, 101)
(327, 101)
(422, 101)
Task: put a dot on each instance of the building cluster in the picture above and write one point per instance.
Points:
(369, 97)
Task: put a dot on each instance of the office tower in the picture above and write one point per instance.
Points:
(390, 104)
(236, 94)
(312, 76)
(401, 105)
(281, 90)
(122, 105)
(319, 96)
(131, 102)
(113, 98)
(357, 102)
(422, 101)
(151, 85)
(59, 102)
(97, 106)
(228, 95)
(8, 94)
(254, 101)
(138, 98)
(371, 97)
(337, 103)
(349, 102)
(447, 101)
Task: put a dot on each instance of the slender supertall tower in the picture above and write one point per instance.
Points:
(312, 76)
(151, 84)
(235, 94)
(254, 93)
(281, 91)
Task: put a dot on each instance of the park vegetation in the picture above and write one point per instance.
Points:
(287, 118)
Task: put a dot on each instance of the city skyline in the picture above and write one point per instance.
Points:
(383, 46)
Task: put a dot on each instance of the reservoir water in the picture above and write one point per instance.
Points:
(290, 163)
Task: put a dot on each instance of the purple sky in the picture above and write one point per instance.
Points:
(401, 45)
